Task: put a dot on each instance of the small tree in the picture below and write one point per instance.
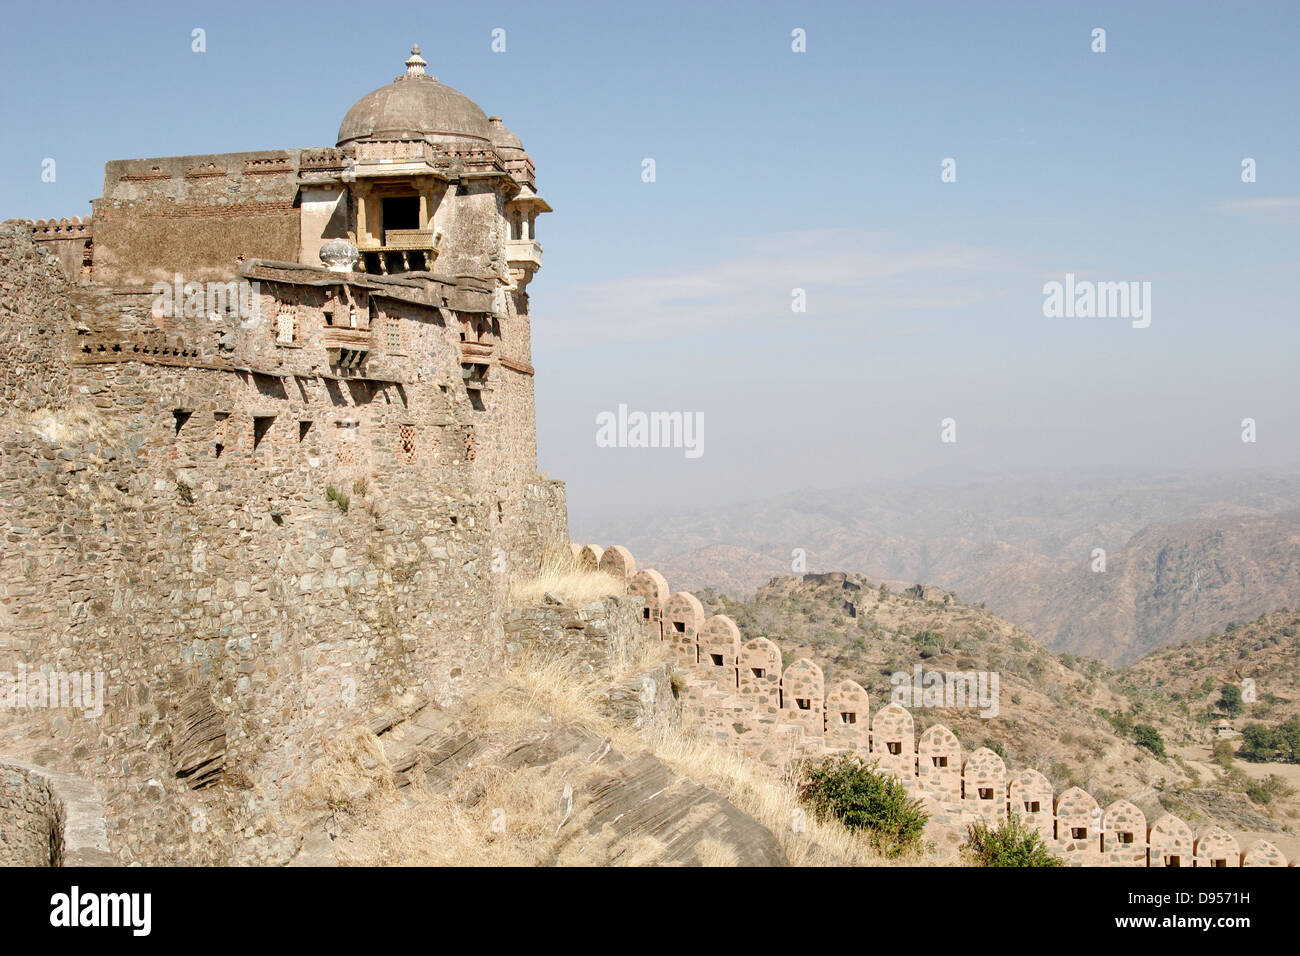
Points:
(1144, 735)
(843, 788)
(1288, 739)
(1230, 700)
(1011, 843)
(1258, 742)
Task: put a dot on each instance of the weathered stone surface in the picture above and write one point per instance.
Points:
(199, 748)
(49, 818)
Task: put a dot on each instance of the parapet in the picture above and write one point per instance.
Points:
(739, 694)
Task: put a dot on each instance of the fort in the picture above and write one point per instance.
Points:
(258, 523)
(296, 493)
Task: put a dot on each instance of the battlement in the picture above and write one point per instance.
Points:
(65, 228)
(739, 694)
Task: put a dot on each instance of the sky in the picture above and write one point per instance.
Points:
(777, 170)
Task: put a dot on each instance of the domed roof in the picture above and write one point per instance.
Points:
(415, 105)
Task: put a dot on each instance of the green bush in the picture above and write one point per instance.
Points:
(1258, 792)
(1259, 742)
(843, 788)
(1144, 735)
(1011, 843)
(1230, 701)
(1121, 722)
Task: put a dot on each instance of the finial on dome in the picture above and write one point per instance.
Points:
(416, 64)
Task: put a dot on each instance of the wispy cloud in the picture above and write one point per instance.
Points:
(846, 275)
(1285, 206)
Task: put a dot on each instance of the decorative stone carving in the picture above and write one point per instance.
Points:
(339, 255)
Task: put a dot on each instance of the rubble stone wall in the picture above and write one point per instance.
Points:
(239, 606)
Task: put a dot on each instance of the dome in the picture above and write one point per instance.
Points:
(415, 106)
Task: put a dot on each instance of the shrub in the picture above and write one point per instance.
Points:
(1230, 700)
(843, 788)
(1258, 793)
(1121, 722)
(1223, 751)
(1260, 742)
(1144, 735)
(1011, 843)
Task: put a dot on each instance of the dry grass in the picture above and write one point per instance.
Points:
(561, 575)
(770, 797)
(493, 816)
(351, 775)
(541, 687)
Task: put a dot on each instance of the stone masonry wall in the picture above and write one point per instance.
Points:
(739, 694)
(607, 637)
(33, 316)
(49, 819)
(236, 608)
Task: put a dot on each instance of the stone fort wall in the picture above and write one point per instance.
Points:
(49, 819)
(739, 693)
(235, 609)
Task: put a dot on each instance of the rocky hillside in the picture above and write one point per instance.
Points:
(1078, 720)
(1050, 712)
(1184, 556)
(1181, 686)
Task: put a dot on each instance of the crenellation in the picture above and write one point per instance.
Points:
(759, 676)
(683, 618)
(1215, 847)
(848, 718)
(719, 650)
(1029, 795)
(893, 740)
(1124, 835)
(1170, 842)
(939, 763)
(651, 587)
(617, 561)
(1078, 830)
(1263, 853)
(737, 694)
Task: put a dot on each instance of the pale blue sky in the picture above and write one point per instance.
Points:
(778, 170)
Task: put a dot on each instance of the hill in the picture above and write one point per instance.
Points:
(1184, 556)
(1146, 732)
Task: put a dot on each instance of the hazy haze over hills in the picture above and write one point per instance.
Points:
(1185, 555)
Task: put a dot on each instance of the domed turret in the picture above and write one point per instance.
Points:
(416, 106)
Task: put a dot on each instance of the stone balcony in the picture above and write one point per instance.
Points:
(477, 353)
(403, 240)
(346, 347)
(402, 250)
(336, 337)
(524, 253)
